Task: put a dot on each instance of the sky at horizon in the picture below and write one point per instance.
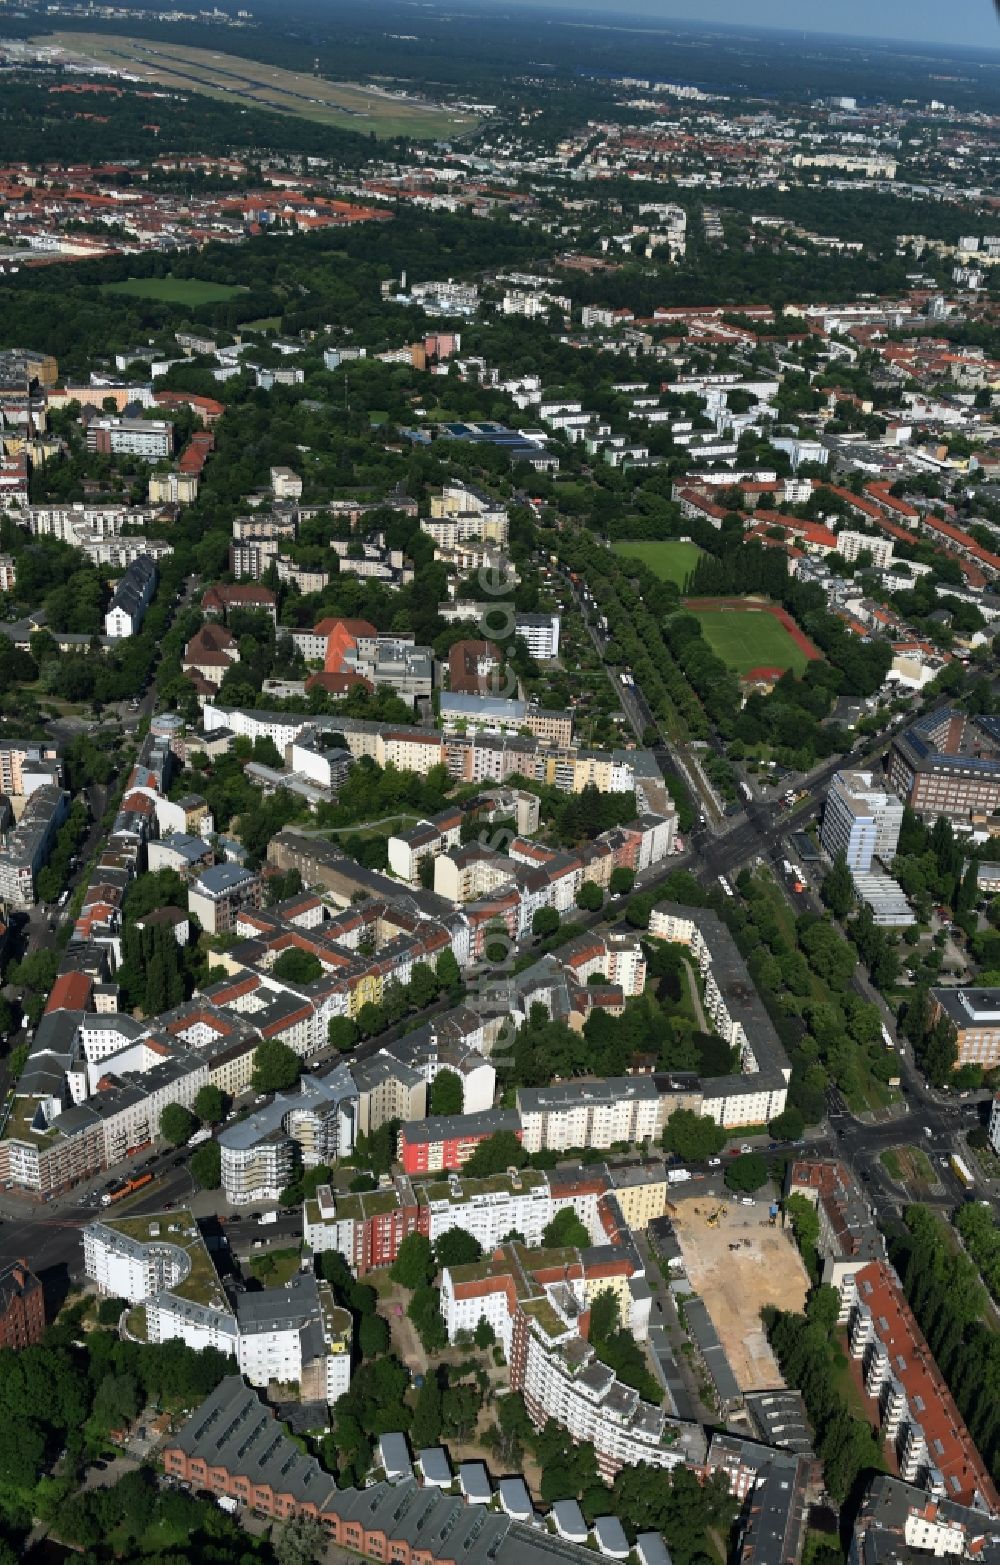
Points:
(964, 22)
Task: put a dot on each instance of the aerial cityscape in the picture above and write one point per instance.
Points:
(499, 784)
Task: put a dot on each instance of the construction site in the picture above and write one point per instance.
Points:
(738, 1259)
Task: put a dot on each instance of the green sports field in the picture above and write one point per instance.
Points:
(174, 290)
(667, 558)
(748, 640)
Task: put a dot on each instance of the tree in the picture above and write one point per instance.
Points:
(692, 1137)
(300, 1541)
(838, 888)
(804, 1219)
(544, 921)
(426, 1427)
(414, 1263)
(456, 1247)
(565, 1229)
(495, 1155)
(109, 1311)
(206, 1165)
(117, 1400)
(746, 1173)
(276, 1067)
(341, 1033)
(177, 1124)
(447, 1095)
(590, 897)
(295, 966)
(484, 1336)
(423, 987)
(448, 971)
(210, 1105)
(622, 880)
(787, 1126)
(373, 1336)
(370, 1019)
(424, 1310)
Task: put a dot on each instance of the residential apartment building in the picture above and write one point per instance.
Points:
(861, 820)
(622, 1110)
(428, 839)
(975, 1015)
(315, 1124)
(916, 1410)
(848, 1234)
(737, 1013)
(902, 1521)
(27, 764)
(29, 845)
(541, 634)
(445, 1143)
(537, 1301)
(150, 439)
(290, 1335)
(850, 544)
(460, 513)
(131, 598)
(22, 1307)
(218, 895)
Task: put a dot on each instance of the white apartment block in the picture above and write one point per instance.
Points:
(540, 632)
(151, 439)
(601, 1114)
(850, 544)
(738, 1016)
(490, 1209)
(861, 820)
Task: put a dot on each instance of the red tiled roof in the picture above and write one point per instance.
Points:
(71, 992)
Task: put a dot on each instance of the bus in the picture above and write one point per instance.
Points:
(887, 1037)
(727, 888)
(961, 1170)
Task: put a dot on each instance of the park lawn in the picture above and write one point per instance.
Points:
(175, 290)
(747, 640)
(669, 559)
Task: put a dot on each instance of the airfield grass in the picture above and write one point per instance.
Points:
(669, 559)
(174, 290)
(255, 83)
(747, 641)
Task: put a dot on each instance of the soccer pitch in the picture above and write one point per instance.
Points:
(745, 640)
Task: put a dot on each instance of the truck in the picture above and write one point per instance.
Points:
(745, 791)
(887, 1037)
(127, 1187)
(203, 1134)
(267, 1217)
(225, 1502)
(961, 1170)
(678, 1176)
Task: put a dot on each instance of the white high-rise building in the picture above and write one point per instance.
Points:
(861, 820)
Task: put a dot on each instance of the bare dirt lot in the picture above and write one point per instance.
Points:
(737, 1267)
